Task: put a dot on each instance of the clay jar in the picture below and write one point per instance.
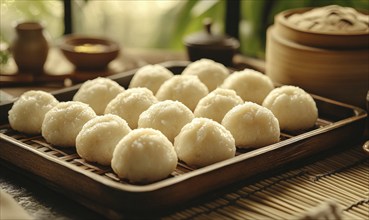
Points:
(30, 47)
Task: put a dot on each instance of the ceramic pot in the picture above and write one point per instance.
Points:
(331, 65)
(205, 44)
(30, 48)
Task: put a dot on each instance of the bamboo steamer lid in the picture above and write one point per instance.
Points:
(334, 65)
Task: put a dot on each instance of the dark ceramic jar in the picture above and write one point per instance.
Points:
(205, 44)
(30, 48)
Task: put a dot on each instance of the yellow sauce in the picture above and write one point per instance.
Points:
(90, 48)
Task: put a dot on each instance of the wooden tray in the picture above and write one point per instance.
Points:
(98, 187)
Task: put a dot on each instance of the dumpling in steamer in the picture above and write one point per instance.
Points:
(187, 89)
(203, 142)
(130, 104)
(62, 123)
(250, 85)
(252, 125)
(97, 93)
(28, 112)
(211, 73)
(217, 103)
(294, 108)
(166, 116)
(151, 77)
(99, 136)
(144, 155)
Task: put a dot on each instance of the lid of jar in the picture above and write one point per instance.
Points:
(208, 39)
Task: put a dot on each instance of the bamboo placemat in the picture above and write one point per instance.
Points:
(336, 187)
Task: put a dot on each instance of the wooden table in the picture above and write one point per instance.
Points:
(339, 175)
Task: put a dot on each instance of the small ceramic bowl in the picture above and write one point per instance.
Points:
(331, 65)
(89, 53)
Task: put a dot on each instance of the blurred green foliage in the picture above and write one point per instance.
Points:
(174, 24)
(187, 21)
(49, 12)
(4, 57)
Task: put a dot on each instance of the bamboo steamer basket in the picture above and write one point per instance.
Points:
(332, 65)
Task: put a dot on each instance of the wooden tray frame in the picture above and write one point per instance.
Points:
(99, 189)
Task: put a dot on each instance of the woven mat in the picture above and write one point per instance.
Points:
(336, 187)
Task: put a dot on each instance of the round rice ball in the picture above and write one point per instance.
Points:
(294, 108)
(211, 73)
(151, 77)
(166, 116)
(187, 89)
(97, 93)
(144, 155)
(203, 142)
(252, 125)
(130, 104)
(28, 112)
(249, 84)
(216, 104)
(99, 136)
(63, 122)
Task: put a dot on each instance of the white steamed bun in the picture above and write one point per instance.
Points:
(130, 104)
(294, 108)
(151, 77)
(203, 142)
(144, 155)
(99, 136)
(28, 112)
(166, 116)
(187, 89)
(217, 103)
(62, 123)
(249, 84)
(252, 125)
(211, 73)
(97, 93)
